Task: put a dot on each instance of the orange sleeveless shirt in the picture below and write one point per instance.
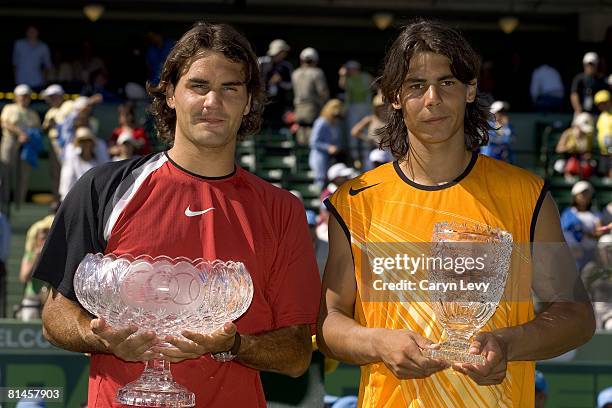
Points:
(384, 206)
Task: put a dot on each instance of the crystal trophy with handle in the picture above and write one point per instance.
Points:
(164, 295)
(479, 259)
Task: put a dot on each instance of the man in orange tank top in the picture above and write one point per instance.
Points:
(434, 131)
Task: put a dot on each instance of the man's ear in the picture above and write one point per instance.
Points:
(247, 108)
(170, 96)
(397, 104)
(471, 91)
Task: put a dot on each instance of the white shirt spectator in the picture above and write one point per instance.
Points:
(74, 166)
(30, 61)
(546, 81)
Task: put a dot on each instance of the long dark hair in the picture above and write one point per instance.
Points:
(215, 37)
(430, 36)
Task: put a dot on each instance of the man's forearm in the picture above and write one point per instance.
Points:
(560, 328)
(286, 351)
(342, 338)
(66, 325)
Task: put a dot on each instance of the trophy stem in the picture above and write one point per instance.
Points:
(157, 370)
(156, 388)
(455, 350)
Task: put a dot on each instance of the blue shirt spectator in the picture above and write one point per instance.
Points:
(5, 238)
(31, 58)
(156, 55)
(325, 140)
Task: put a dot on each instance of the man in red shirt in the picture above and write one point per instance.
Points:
(191, 201)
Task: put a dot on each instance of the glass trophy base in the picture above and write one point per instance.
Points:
(452, 354)
(157, 394)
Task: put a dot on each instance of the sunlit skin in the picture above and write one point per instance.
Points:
(433, 104)
(23, 100)
(210, 101)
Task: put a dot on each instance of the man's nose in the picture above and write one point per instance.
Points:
(432, 96)
(212, 99)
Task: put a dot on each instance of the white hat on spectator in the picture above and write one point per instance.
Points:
(590, 58)
(22, 90)
(277, 46)
(604, 397)
(309, 54)
(609, 80)
(83, 133)
(499, 106)
(127, 136)
(581, 187)
(51, 90)
(339, 170)
(585, 122)
(380, 156)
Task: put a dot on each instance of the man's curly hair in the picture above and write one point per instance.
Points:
(202, 37)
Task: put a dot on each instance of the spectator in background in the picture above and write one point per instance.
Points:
(581, 224)
(58, 110)
(276, 75)
(321, 247)
(31, 59)
(604, 131)
(98, 85)
(127, 123)
(577, 144)
(325, 140)
(80, 157)
(541, 390)
(357, 86)
(546, 89)
(586, 84)
(126, 146)
(379, 157)
(486, 82)
(604, 399)
(5, 244)
(61, 70)
(87, 63)
(156, 54)
(80, 115)
(367, 129)
(336, 175)
(501, 134)
(18, 119)
(33, 294)
(310, 92)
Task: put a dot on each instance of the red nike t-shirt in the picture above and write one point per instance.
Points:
(154, 207)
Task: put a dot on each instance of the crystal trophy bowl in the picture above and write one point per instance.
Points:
(474, 288)
(164, 295)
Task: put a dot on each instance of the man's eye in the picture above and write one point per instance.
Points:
(448, 83)
(416, 86)
(230, 88)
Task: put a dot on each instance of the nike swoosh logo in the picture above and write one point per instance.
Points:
(354, 192)
(190, 213)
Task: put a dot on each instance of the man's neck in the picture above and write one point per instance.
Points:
(436, 164)
(207, 162)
